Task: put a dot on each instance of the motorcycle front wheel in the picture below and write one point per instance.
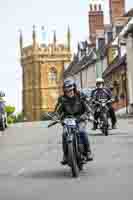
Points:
(105, 131)
(72, 160)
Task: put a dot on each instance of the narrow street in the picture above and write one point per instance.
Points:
(30, 167)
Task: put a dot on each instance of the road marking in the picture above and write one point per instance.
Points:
(19, 172)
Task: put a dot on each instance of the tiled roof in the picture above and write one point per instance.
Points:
(114, 66)
(76, 66)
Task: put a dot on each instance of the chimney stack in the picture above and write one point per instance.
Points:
(96, 20)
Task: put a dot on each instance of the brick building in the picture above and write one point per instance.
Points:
(96, 19)
(117, 9)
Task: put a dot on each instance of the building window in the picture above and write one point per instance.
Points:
(118, 29)
(52, 75)
(100, 7)
(124, 86)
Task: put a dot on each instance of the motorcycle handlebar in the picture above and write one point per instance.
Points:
(98, 102)
(52, 124)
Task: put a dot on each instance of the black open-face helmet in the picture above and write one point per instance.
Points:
(69, 84)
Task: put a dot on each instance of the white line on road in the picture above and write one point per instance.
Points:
(19, 172)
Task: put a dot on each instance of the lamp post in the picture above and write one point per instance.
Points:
(126, 91)
(99, 66)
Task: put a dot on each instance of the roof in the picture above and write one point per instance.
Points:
(129, 13)
(114, 66)
(77, 65)
(86, 60)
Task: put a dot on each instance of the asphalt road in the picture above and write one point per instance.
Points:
(30, 167)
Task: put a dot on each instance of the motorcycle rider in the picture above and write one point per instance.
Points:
(2, 110)
(103, 93)
(72, 104)
(2, 106)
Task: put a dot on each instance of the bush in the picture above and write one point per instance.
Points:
(19, 117)
(10, 119)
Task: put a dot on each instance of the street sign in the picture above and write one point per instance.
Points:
(113, 53)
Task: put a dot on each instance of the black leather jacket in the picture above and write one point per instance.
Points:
(75, 106)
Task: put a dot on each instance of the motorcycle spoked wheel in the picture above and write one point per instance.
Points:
(105, 131)
(80, 156)
(73, 160)
(105, 125)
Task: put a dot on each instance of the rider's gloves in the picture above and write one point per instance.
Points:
(91, 118)
(93, 101)
(83, 117)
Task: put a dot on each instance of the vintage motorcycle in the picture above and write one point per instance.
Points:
(75, 147)
(102, 110)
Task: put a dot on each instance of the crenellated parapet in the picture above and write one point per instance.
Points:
(45, 51)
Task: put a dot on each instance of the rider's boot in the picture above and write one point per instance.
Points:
(114, 126)
(89, 156)
(64, 160)
(94, 126)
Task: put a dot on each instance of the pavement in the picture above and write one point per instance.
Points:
(30, 155)
(123, 113)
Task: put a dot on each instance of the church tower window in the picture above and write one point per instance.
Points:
(52, 75)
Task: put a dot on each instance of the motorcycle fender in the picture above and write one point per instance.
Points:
(69, 138)
(81, 148)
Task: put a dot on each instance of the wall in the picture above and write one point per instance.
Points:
(87, 77)
(130, 69)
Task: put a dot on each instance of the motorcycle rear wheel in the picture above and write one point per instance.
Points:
(105, 131)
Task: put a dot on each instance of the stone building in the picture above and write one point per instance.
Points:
(127, 33)
(119, 72)
(42, 71)
(115, 76)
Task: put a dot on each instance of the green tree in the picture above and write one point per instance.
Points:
(10, 114)
(9, 110)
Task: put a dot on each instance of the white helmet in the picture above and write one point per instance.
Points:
(99, 80)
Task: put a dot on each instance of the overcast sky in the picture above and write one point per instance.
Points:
(22, 14)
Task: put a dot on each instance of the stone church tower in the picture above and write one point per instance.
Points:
(42, 71)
